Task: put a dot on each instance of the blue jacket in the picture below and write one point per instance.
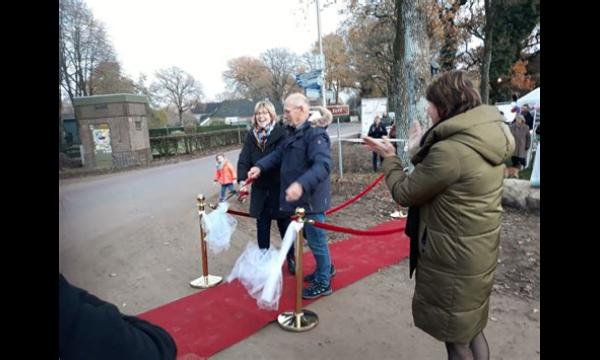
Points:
(304, 156)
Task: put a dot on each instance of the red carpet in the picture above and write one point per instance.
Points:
(211, 320)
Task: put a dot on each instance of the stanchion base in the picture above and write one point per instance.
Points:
(304, 321)
(204, 282)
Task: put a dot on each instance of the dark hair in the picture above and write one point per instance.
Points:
(452, 93)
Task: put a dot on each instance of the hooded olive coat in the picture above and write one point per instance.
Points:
(457, 184)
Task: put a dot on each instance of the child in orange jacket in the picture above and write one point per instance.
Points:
(225, 175)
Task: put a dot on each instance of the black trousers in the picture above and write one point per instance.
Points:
(263, 230)
(375, 156)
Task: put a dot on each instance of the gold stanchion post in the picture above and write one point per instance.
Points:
(206, 280)
(300, 319)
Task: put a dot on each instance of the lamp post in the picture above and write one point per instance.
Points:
(323, 89)
(322, 60)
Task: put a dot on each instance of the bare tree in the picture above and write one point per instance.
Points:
(282, 65)
(370, 41)
(142, 89)
(108, 79)
(83, 45)
(338, 72)
(248, 77)
(178, 88)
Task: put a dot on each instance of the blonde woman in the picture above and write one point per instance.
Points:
(265, 135)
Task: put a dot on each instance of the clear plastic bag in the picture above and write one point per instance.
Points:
(219, 227)
(260, 270)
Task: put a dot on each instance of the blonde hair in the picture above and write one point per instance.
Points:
(520, 117)
(267, 105)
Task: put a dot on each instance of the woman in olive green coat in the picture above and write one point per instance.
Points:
(456, 187)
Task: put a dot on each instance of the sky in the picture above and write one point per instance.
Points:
(200, 36)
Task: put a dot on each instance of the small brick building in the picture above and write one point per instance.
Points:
(113, 130)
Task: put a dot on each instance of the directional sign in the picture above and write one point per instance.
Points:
(310, 80)
(339, 110)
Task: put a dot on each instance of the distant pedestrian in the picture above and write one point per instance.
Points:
(225, 175)
(377, 131)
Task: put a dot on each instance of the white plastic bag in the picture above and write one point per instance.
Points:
(219, 226)
(251, 268)
(260, 270)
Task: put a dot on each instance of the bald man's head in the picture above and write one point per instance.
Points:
(296, 108)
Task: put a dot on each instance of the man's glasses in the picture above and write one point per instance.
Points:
(287, 111)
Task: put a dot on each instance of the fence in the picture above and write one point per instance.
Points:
(189, 143)
(166, 131)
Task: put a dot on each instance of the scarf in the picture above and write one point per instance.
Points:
(262, 135)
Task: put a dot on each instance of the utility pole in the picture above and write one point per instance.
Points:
(324, 90)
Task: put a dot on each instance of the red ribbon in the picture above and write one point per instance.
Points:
(243, 195)
(238, 213)
(355, 231)
(350, 201)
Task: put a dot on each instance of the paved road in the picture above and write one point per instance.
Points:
(108, 223)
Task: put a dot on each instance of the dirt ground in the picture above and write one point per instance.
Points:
(372, 318)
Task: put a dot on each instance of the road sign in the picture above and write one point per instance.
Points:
(310, 80)
(339, 110)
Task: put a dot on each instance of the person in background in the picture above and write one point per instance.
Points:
(225, 175)
(377, 131)
(522, 136)
(527, 115)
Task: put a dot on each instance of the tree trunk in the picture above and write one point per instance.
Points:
(60, 122)
(411, 68)
(487, 53)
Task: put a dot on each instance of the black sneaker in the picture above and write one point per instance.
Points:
(311, 277)
(316, 289)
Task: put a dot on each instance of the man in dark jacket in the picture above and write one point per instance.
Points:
(377, 131)
(90, 328)
(304, 159)
(527, 115)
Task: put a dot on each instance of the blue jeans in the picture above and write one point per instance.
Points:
(224, 188)
(317, 241)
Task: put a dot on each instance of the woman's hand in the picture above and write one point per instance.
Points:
(382, 146)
